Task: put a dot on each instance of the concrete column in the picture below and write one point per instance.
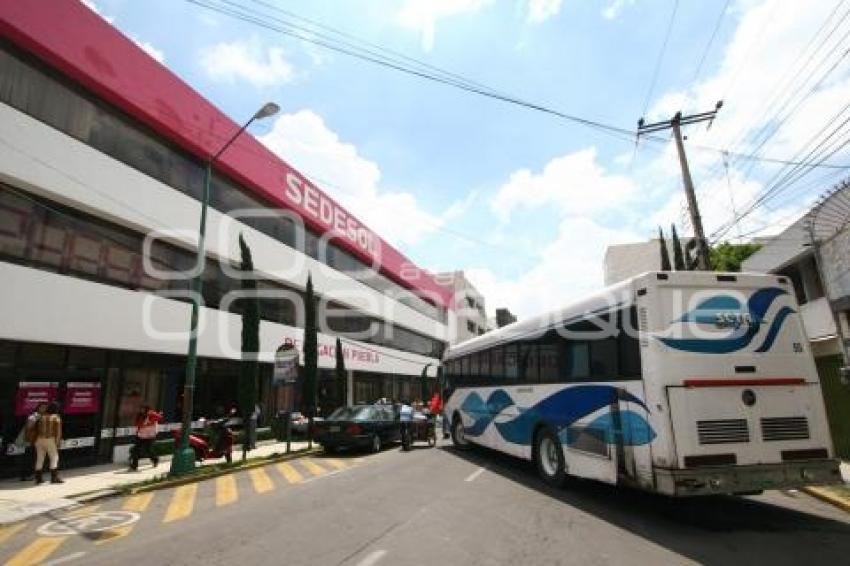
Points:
(349, 387)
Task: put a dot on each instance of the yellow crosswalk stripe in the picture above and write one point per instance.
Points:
(36, 552)
(289, 472)
(138, 502)
(8, 532)
(261, 480)
(313, 467)
(338, 464)
(113, 534)
(182, 503)
(225, 490)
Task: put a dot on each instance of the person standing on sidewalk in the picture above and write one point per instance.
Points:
(146, 429)
(26, 441)
(47, 440)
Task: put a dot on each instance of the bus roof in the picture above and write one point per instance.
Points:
(614, 296)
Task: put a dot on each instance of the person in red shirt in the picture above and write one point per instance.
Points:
(435, 405)
(146, 430)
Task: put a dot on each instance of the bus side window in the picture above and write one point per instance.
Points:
(497, 364)
(548, 354)
(511, 363)
(577, 360)
(628, 344)
(603, 359)
(528, 363)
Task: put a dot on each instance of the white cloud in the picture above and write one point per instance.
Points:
(541, 10)
(567, 269)
(247, 60)
(423, 15)
(304, 140)
(148, 48)
(614, 8)
(574, 183)
(758, 76)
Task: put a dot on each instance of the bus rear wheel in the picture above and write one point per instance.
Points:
(459, 435)
(549, 457)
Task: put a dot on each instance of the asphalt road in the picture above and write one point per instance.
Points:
(438, 506)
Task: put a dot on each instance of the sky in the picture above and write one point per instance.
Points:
(523, 201)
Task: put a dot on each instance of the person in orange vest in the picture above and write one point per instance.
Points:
(146, 429)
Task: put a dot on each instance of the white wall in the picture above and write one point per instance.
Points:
(817, 319)
(40, 306)
(49, 163)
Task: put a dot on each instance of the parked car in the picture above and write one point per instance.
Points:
(358, 426)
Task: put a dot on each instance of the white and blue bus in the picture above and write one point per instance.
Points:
(683, 383)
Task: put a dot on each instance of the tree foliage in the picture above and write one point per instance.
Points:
(678, 253)
(250, 365)
(311, 352)
(729, 257)
(665, 255)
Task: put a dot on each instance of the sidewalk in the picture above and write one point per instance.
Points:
(19, 500)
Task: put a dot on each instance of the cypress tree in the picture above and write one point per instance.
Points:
(678, 255)
(665, 255)
(311, 356)
(250, 367)
(341, 374)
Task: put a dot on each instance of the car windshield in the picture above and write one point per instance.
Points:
(356, 413)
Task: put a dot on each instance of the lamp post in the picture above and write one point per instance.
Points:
(184, 456)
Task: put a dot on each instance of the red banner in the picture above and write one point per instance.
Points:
(81, 398)
(32, 393)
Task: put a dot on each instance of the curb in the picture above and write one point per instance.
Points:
(198, 476)
(825, 495)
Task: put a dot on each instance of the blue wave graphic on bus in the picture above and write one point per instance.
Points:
(713, 309)
(559, 410)
(635, 430)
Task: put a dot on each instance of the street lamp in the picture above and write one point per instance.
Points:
(184, 456)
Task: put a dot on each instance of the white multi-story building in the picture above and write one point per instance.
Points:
(814, 253)
(623, 261)
(468, 317)
(101, 174)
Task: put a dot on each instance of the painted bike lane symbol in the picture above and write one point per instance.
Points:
(91, 523)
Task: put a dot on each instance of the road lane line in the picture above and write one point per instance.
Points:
(8, 532)
(261, 480)
(372, 558)
(36, 552)
(64, 559)
(313, 467)
(225, 490)
(475, 474)
(138, 502)
(182, 503)
(289, 472)
(338, 464)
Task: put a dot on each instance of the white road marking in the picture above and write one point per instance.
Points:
(372, 558)
(63, 559)
(475, 474)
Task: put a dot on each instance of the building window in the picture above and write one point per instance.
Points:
(39, 92)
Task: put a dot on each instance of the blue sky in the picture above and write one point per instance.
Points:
(523, 201)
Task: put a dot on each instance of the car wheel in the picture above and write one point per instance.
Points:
(330, 449)
(549, 457)
(376, 443)
(459, 434)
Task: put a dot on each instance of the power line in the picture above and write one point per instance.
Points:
(433, 73)
(660, 58)
(710, 41)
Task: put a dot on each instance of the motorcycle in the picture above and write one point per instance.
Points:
(216, 443)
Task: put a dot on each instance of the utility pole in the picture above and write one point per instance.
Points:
(676, 124)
